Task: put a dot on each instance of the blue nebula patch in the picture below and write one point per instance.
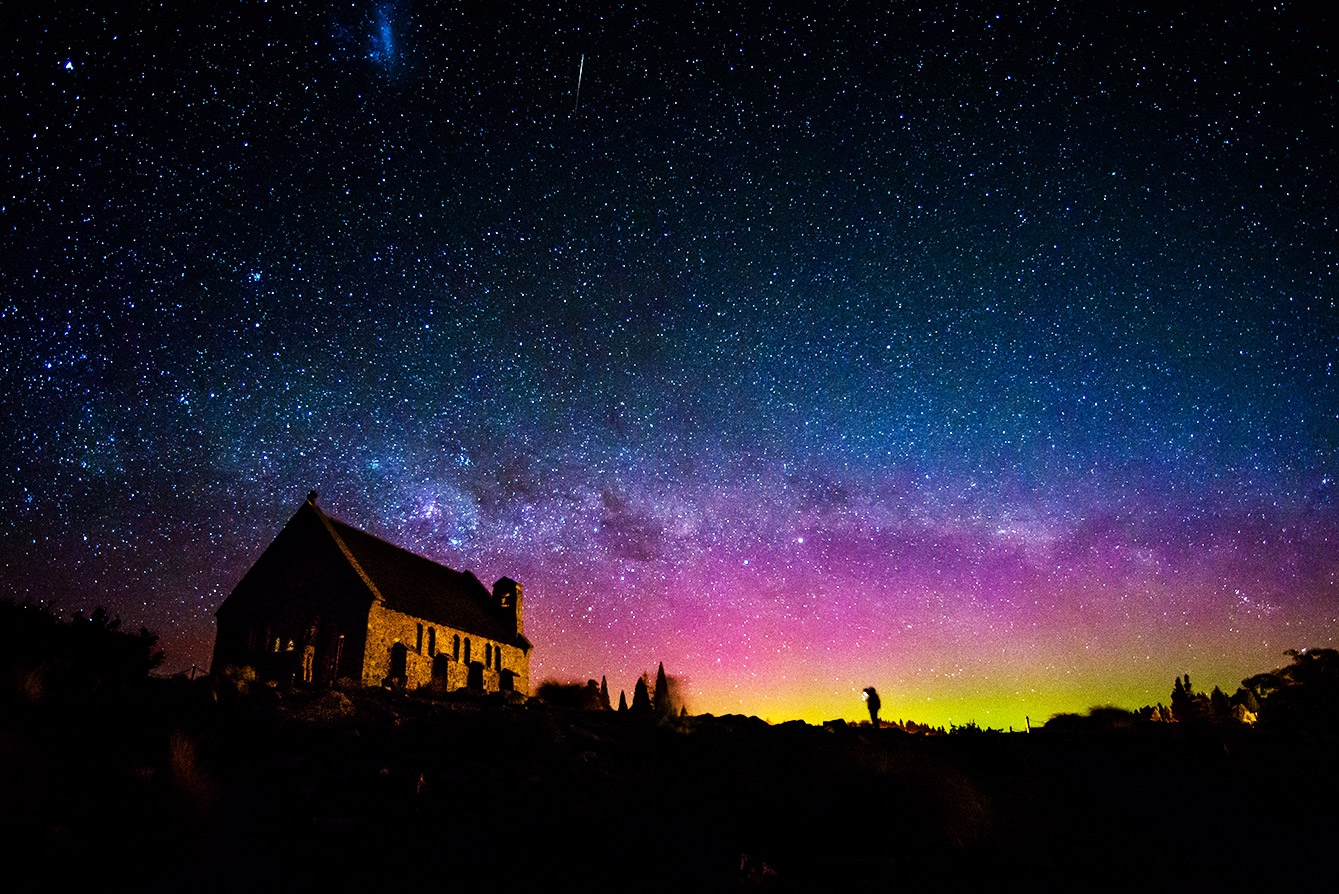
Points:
(384, 47)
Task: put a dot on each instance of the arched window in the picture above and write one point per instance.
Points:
(432, 641)
(488, 654)
(418, 643)
(467, 651)
(455, 647)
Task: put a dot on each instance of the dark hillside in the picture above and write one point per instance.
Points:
(342, 790)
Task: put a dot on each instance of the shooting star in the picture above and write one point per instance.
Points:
(581, 68)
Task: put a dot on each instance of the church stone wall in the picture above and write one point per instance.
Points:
(387, 628)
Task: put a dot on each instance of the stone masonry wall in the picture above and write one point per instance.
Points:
(386, 627)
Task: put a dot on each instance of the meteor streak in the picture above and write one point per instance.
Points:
(581, 67)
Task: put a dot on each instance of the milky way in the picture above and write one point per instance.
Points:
(983, 355)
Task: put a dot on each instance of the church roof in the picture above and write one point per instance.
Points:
(420, 587)
(409, 583)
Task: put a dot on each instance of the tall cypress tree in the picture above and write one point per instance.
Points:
(604, 693)
(662, 699)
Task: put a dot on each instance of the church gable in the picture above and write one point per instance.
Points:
(300, 612)
(304, 566)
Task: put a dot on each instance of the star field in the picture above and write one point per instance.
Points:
(983, 354)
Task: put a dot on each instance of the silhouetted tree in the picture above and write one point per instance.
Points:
(604, 694)
(662, 699)
(122, 656)
(46, 659)
(1305, 694)
(1099, 719)
(641, 697)
(570, 695)
(873, 704)
(1262, 686)
(1183, 697)
(622, 701)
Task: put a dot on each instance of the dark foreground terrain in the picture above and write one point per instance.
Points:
(174, 790)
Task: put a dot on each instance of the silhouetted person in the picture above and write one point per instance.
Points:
(872, 702)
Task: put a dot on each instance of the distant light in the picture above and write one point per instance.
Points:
(69, 65)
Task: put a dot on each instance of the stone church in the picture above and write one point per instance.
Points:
(326, 602)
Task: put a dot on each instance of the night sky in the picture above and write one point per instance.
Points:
(983, 354)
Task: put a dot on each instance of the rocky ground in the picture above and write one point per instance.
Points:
(175, 790)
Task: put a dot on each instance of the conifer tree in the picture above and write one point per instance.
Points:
(604, 694)
(1183, 700)
(622, 702)
(662, 699)
(641, 697)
